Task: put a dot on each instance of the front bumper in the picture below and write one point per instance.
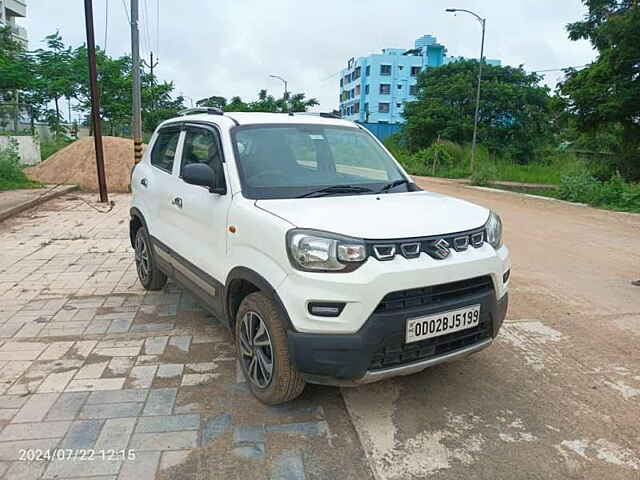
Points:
(378, 349)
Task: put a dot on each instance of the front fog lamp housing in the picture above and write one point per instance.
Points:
(493, 228)
(317, 251)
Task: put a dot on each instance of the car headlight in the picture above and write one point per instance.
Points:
(493, 228)
(316, 251)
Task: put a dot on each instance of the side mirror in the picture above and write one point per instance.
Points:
(203, 175)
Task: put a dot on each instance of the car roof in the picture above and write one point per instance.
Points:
(259, 118)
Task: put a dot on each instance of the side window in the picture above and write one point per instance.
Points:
(164, 149)
(202, 146)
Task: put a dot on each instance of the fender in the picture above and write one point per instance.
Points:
(244, 273)
(134, 212)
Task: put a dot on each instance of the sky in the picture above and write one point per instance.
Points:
(230, 47)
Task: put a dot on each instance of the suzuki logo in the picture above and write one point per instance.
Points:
(441, 249)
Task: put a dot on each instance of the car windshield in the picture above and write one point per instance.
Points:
(289, 161)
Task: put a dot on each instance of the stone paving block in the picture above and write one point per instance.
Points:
(313, 429)
(19, 355)
(92, 370)
(115, 434)
(9, 330)
(82, 468)
(164, 441)
(110, 410)
(95, 384)
(10, 451)
(147, 359)
(191, 379)
(152, 327)
(7, 414)
(118, 352)
(55, 351)
(82, 434)
(25, 431)
(82, 349)
(36, 407)
(142, 376)
(4, 466)
(120, 325)
(248, 434)
(97, 327)
(168, 423)
(172, 458)
(121, 365)
(67, 406)
(181, 342)
(23, 347)
(155, 345)
(26, 470)
(170, 370)
(215, 428)
(288, 466)
(56, 382)
(143, 466)
(12, 401)
(29, 330)
(160, 401)
(117, 396)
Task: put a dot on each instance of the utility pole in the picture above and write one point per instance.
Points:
(95, 100)
(137, 102)
(483, 23)
(286, 92)
(152, 65)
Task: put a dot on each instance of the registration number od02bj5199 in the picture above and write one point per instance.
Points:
(442, 323)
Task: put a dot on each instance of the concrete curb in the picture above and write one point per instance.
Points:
(51, 194)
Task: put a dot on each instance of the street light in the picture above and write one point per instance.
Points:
(483, 22)
(286, 93)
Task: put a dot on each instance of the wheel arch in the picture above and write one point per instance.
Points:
(243, 281)
(136, 221)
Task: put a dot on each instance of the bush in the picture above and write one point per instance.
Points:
(11, 174)
(52, 145)
(484, 174)
(614, 193)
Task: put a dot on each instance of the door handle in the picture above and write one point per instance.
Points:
(144, 182)
(177, 202)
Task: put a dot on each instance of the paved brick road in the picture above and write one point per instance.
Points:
(89, 360)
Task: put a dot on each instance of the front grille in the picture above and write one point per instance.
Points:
(395, 352)
(425, 296)
(393, 355)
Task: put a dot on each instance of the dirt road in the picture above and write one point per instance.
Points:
(558, 395)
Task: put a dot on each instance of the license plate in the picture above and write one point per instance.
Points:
(442, 323)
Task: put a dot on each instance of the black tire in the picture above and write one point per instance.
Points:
(150, 276)
(285, 382)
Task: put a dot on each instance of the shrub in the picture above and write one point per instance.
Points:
(484, 174)
(11, 174)
(52, 145)
(614, 193)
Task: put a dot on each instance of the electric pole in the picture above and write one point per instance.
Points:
(95, 100)
(137, 103)
(152, 66)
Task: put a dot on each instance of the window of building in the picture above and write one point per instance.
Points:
(342, 82)
(385, 88)
(413, 90)
(366, 89)
(399, 105)
(356, 107)
(400, 67)
(357, 90)
(367, 70)
(415, 71)
(356, 73)
(366, 108)
(383, 107)
(385, 69)
(164, 149)
(353, 92)
(399, 86)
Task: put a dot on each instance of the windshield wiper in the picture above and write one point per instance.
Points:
(391, 185)
(336, 189)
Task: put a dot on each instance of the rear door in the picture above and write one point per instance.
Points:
(161, 184)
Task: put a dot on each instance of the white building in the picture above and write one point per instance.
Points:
(9, 11)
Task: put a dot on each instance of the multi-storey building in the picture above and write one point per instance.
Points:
(9, 11)
(374, 88)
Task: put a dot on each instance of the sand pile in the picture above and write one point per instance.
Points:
(76, 165)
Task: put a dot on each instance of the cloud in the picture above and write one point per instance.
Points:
(229, 47)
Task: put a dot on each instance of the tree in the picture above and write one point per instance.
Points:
(215, 102)
(264, 103)
(514, 108)
(606, 94)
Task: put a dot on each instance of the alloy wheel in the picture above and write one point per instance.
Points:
(256, 352)
(142, 258)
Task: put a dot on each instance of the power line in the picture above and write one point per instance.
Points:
(158, 27)
(126, 11)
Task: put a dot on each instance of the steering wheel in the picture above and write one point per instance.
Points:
(274, 174)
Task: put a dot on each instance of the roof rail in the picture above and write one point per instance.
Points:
(196, 110)
(321, 114)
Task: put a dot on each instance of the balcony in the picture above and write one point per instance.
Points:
(16, 8)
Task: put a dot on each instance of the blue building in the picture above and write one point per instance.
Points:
(373, 89)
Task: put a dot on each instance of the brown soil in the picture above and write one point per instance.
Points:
(76, 165)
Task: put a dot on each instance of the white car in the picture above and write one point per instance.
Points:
(304, 235)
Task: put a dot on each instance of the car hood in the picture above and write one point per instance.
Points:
(384, 216)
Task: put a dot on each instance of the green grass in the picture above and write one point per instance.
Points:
(12, 176)
(52, 145)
